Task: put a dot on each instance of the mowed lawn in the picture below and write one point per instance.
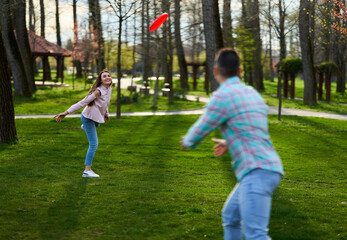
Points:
(150, 189)
(48, 100)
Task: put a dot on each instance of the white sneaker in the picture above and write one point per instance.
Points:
(82, 127)
(90, 174)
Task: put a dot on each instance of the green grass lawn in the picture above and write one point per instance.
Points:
(150, 189)
(54, 100)
(270, 98)
(47, 100)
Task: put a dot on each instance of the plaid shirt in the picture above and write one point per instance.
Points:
(241, 114)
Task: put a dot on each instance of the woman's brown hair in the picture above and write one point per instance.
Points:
(97, 83)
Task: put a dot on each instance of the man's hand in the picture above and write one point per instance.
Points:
(107, 118)
(220, 148)
(182, 144)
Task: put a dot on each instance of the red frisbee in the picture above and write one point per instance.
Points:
(158, 22)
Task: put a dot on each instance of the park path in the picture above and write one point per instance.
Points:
(272, 110)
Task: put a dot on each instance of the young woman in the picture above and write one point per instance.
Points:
(95, 112)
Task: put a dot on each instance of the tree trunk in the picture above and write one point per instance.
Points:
(258, 67)
(13, 54)
(167, 50)
(32, 20)
(119, 66)
(246, 33)
(145, 40)
(156, 86)
(60, 62)
(96, 29)
(227, 25)
(320, 85)
(285, 85)
(23, 42)
(42, 17)
(341, 60)
(328, 86)
(292, 86)
(216, 16)
(307, 53)
(272, 73)
(8, 131)
(179, 47)
(47, 69)
(283, 54)
(210, 26)
(57, 22)
(77, 62)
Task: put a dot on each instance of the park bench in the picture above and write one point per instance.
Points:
(166, 90)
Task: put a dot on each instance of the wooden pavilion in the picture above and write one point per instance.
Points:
(40, 47)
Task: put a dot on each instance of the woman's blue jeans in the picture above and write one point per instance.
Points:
(247, 209)
(90, 129)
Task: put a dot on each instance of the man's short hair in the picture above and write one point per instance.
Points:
(228, 62)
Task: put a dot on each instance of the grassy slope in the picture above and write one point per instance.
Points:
(150, 189)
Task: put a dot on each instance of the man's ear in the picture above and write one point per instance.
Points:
(239, 72)
(215, 71)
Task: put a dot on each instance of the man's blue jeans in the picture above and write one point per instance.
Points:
(247, 209)
(90, 128)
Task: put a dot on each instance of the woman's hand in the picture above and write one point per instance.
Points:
(60, 116)
(107, 118)
(220, 148)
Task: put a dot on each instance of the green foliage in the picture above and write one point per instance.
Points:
(135, 97)
(150, 189)
(328, 67)
(292, 65)
(244, 41)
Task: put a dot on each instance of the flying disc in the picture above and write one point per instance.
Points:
(158, 22)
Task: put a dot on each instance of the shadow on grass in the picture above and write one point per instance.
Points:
(286, 221)
(326, 128)
(63, 215)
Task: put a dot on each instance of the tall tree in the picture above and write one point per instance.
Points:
(123, 11)
(305, 28)
(158, 59)
(19, 20)
(258, 66)
(227, 24)
(57, 22)
(179, 47)
(272, 74)
(96, 29)
(42, 17)
(213, 38)
(168, 50)
(32, 20)
(8, 131)
(60, 60)
(340, 42)
(46, 66)
(145, 40)
(245, 41)
(76, 61)
(14, 57)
